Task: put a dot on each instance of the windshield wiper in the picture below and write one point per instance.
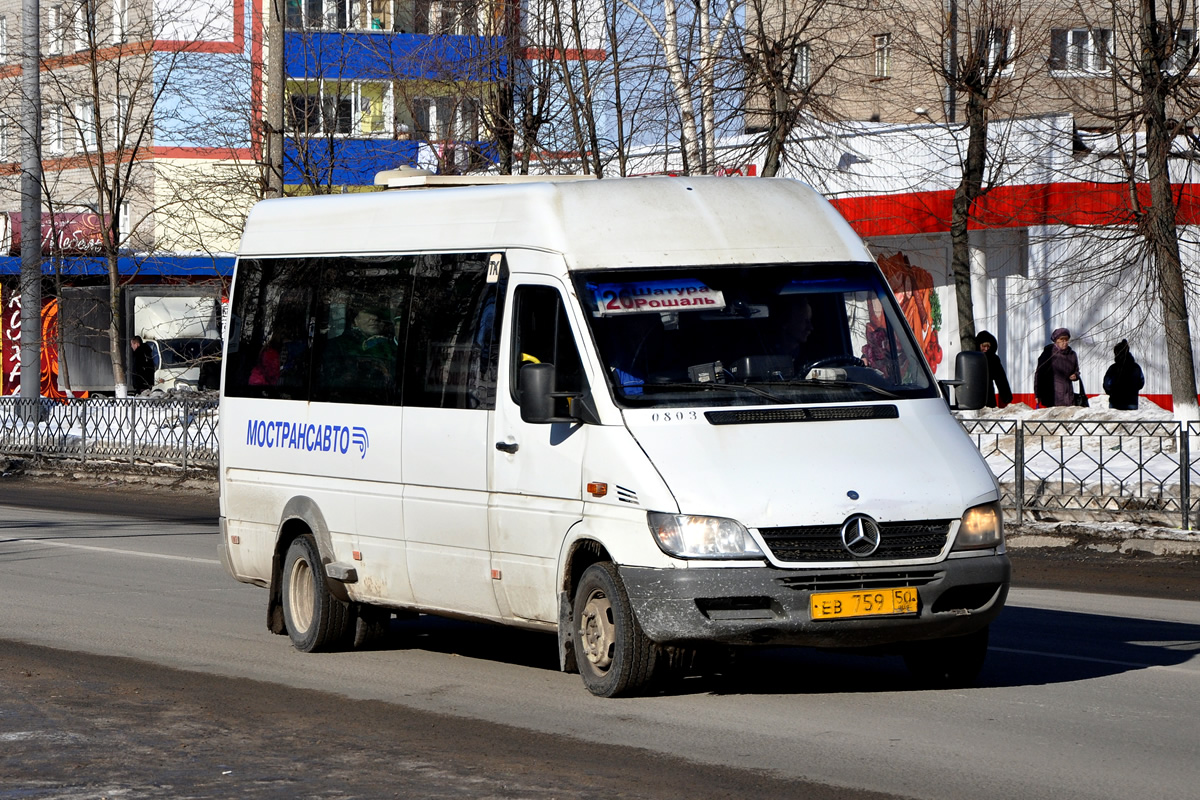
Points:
(711, 386)
(839, 384)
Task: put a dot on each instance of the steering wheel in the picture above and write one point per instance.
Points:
(841, 360)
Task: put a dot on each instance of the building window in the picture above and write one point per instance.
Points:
(53, 130)
(883, 55)
(120, 119)
(1081, 50)
(83, 24)
(1185, 43)
(120, 21)
(4, 154)
(3, 39)
(1000, 44)
(55, 31)
(802, 68)
(373, 15)
(433, 118)
(84, 114)
(337, 104)
(358, 108)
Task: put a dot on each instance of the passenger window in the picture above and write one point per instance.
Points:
(376, 330)
(358, 343)
(451, 353)
(543, 336)
(269, 341)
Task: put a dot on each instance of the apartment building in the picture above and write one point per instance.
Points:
(377, 84)
(911, 60)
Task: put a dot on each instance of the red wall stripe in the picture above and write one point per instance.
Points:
(1011, 207)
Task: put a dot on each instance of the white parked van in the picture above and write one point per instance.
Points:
(646, 413)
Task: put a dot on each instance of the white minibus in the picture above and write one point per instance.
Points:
(647, 414)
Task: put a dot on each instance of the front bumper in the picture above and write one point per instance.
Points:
(766, 605)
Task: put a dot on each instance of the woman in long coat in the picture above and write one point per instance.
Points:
(1057, 366)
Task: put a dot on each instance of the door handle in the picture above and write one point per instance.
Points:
(508, 447)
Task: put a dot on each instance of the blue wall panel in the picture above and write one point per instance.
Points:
(145, 266)
(394, 56)
(338, 162)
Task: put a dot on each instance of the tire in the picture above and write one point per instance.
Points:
(372, 627)
(614, 656)
(948, 663)
(315, 619)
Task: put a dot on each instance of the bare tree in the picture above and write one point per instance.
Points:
(695, 40)
(791, 53)
(1144, 101)
(110, 85)
(981, 53)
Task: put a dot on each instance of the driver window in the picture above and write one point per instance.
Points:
(542, 335)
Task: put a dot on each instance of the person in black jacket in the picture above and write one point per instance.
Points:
(142, 365)
(999, 392)
(1123, 379)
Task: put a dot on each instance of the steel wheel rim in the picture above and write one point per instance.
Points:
(597, 633)
(301, 595)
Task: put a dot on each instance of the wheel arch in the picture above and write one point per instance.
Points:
(300, 516)
(581, 554)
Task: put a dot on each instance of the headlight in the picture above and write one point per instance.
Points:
(982, 526)
(702, 537)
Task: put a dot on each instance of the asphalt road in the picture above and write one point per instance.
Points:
(132, 666)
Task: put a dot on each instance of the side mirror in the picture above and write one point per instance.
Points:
(970, 380)
(536, 390)
(539, 401)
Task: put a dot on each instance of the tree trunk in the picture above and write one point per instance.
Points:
(1157, 223)
(116, 344)
(969, 189)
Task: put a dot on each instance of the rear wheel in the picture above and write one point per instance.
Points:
(613, 654)
(315, 619)
(948, 663)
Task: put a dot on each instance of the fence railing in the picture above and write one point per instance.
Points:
(175, 429)
(1135, 470)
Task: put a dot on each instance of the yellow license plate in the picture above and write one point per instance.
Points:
(872, 603)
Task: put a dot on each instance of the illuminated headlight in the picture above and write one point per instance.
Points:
(982, 526)
(702, 537)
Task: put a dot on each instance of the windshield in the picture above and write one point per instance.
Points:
(775, 333)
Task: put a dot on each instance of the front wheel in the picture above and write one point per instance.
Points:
(948, 663)
(613, 654)
(315, 619)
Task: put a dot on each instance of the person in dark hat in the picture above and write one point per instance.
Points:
(999, 392)
(1057, 367)
(1123, 379)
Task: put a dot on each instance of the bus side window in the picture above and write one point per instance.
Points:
(270, 355)
(356, 353)
(450, 353)
(543, 336)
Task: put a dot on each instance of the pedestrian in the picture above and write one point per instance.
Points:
(1057, 367)
(142, 365)
(999, 392)
(1123, 379)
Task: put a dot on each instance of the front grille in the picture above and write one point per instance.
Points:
(897, 540)
(850, 581)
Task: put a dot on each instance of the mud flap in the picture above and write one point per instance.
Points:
(566, 637)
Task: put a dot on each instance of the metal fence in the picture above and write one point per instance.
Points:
(1140, 471)
(178, 429)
